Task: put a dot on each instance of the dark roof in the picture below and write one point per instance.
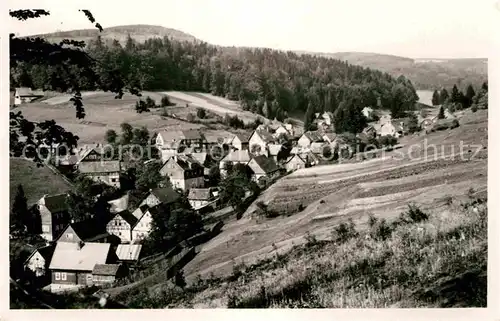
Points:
(313, 136)
(176, 136)
(27, 92)
(105, 269)
(89, 230)
(128, 217)
(266, 164)
(99, 167)
(244, 138)
(187, 162)
(56, 203)
(165, 195)
(46, 252)
(200, 194)
(266, 136)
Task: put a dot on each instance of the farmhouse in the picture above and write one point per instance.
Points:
(240, 141)
(395, 128)
(39, 260)
(202, 197)
(107, 172)
(233, 158)
(258, 142)
(128, 253)
(274, 150)
(121, 225)
(144, 215)
(54, 215)
(295, 162)
(72, 263)
(25, 95)
(174, 142)
(88, 230)
(184, 172)
(107, 273)
(308, 138)
(156, 196)
(263, 168)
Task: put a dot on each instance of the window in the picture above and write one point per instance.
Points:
(113, 180)
(120, 233)
(63, 276)
(45, 228)
(58, 276)
(69, 236)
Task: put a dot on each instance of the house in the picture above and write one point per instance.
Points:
(184, 172)
(202, 197)
(89, 230)
(119, 204)
(54, 215)
(308, 138)
(39, 260)
(174, 142)
(324, 119)
(157, 196)
(258, 142)
(240, 141)
(367, 112)
(204, 159)
(73, 262)
(273, 151)
(107, 273)
(396, 128)
(128, 253)
(25, 95)
(107, 172)
(264, 168)
(295, 162)
(233, 158)
(286, 129)
(144, 215)
(121, 225)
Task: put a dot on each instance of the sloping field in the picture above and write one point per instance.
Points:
(36, 181)
(103, 112)
(330, 194)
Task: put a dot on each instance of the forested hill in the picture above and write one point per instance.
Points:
(424, 73)
(269, 82)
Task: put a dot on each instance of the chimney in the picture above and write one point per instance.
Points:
(80, 245)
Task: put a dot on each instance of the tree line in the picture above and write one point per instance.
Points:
(268, 82)
(457, 100)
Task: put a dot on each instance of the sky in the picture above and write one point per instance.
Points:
(415, 29)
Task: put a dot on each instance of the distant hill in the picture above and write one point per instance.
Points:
(139, 33)
(428, 73)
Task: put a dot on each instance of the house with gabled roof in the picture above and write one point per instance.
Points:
(240, 141)
(144, 215)
(202, 197)
(274, 150)
(263, 168)
(26, 95)
(258, 142)
(121, 225)
(128, 253)
(308, 138)
(89, 230)
(174, 142)
(232, 158)
(184, 172)
(295, 162)
(107, 273)
(72, 263)
(107, 172)
(162, 195)
(54, 215)
(39, 260)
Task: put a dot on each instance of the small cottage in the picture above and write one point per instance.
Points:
(240, 141)
(308, 138)
(89, 230)
(107, 172)
(107, 273)
(184, 172)
(39, 260)
(233, 158)
(26, 95)
(295, 162)
(156, 196)
(258, 142)
(202, 197)
(263, 168)
(121, 225)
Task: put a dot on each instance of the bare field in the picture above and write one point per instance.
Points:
(330, 194)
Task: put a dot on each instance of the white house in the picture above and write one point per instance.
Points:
(121, 225)
(39, 260)
(258, 142)
(202, 197)
(263, 168)
(25, 95)
(308, 138)
(233, 158)
(184, 172)
(240, 141)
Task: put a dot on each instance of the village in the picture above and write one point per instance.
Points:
(100, 253)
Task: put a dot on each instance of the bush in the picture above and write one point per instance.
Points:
(310, 239)
(201, 113)
(474, 108)
(413, 215)
(380, 230)
(344, 232)
(190, 117)
(165, 101)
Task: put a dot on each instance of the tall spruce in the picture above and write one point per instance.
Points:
(20, 215)
(455, 95)
(435, 98)
(469, 94)
(441, 113)
(443, 97)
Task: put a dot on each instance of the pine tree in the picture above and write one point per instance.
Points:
(443, 96)
(441, 113)
(435, 98)
(19, 217)
(309, 116)
(455, 95)
(470, 93)
(485, 86)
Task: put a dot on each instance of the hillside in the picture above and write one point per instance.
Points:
(36, 181)
(139, 33)
(424, 73)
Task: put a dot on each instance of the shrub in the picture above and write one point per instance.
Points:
(381, 231)
(190, 117)
(150, 102)
(165, 101)
(372, 220)
(413, 215)
(201, 113)
(474, 108)
(310, 239)
(344, 232)
(448, 200)
(471, 192)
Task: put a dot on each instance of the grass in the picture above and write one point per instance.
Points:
(436, 259)
(36, 181)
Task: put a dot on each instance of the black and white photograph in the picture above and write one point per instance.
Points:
(190, 154)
